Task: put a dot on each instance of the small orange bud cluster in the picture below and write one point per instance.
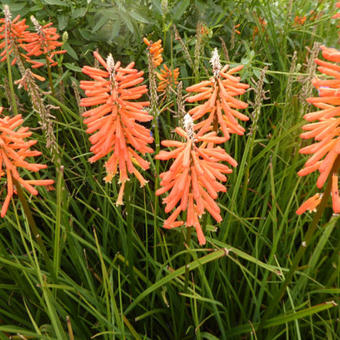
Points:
(155, 50)
(167, 77)
(300, 20)
(325, 129)
(236, 29)
(263, 24)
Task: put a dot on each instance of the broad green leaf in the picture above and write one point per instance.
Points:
(114, 30)
(128, 22)
(103, 19)
(56, 3)
(180, 8)
(156, 5)
(78, 12)
(72, 67)
(139, 17)
(16, 7)
(85, 34)
(70, 51)
(62, 21)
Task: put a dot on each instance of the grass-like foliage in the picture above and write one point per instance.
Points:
(154, 182)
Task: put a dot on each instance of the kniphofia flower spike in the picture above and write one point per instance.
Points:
(167, 77)
(43, 42)
(155, 50)
(114, 122)
(194, 178)
(324, 128)
(219, 103)
(14, 150)
(12, 34)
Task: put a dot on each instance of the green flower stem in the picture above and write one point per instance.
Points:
(156, 202)
(31, 221)
(187, 259)
(10, 79)
(50, 79)
(155, 114)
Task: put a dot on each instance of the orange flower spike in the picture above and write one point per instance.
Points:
(155, 50)
(193, 180)
(219, 103)
(12, 33)
(324, 128)
(13, 151)
(43, 42)
(114, 124)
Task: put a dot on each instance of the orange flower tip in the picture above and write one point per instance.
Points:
(120, 195)
(38, 77)
(119, 202)
(301, 210)
(3, 212)
(159, 192)
(320, 182)
(143, 183)
(200, 236)
(108, 178)
(301, 173)
(45, 182)
(218, 219)
(173, 225)
(310, 204)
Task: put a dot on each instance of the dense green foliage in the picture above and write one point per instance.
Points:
(112, 272)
